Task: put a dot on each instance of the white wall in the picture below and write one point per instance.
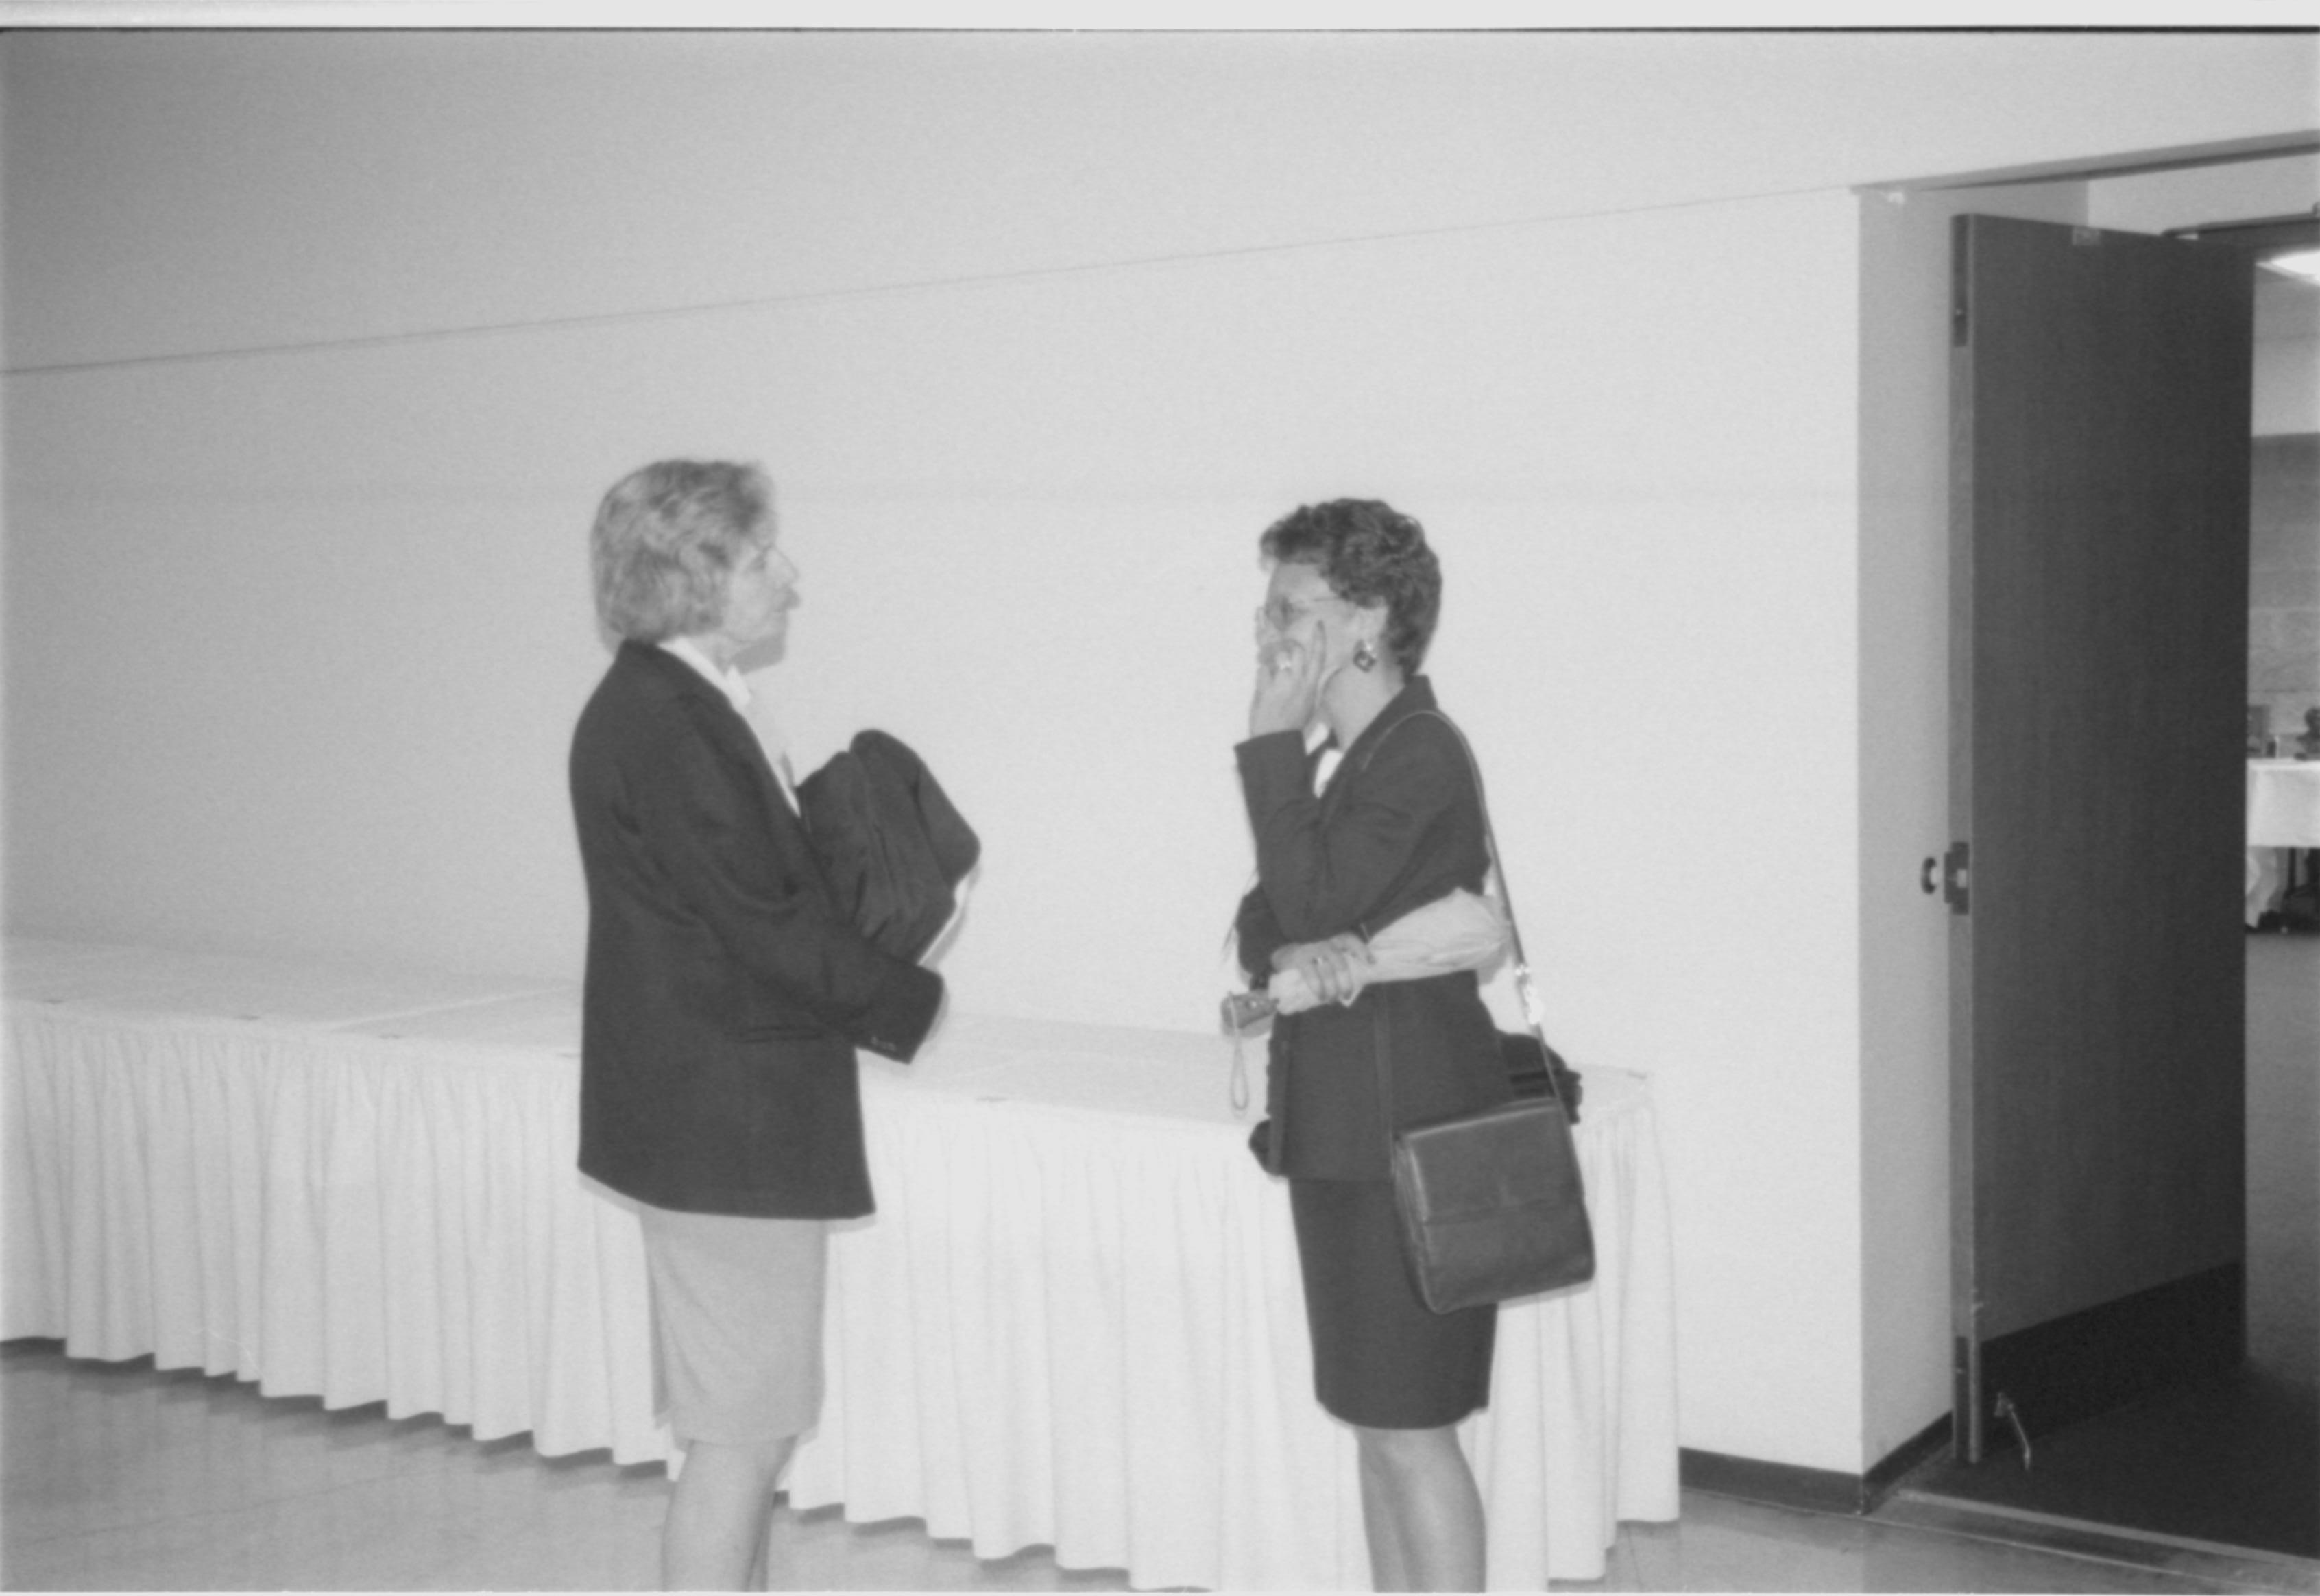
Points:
(2286, 359)
(189, 191)
(1042, 331)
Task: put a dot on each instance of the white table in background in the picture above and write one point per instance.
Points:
(2283, 812)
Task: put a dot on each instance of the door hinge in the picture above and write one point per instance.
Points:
(1961, 285)
(1957, 872)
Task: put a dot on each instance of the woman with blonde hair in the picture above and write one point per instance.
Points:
(725, 995)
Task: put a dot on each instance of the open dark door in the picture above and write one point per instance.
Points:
(2099, 411)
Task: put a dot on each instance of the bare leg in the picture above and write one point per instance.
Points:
(1420, 1510)
(1382, 1528)
(718, 1514)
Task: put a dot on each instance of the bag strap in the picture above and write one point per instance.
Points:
(1533, 1015)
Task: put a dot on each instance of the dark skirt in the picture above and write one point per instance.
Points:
(1381, 1358)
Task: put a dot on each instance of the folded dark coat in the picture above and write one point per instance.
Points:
(893, 845)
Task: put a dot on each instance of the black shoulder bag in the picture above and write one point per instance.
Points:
(1491, 1202)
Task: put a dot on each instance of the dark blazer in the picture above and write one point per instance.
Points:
(1400, 825)
(725, 992)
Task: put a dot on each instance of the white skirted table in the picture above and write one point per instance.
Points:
(2283, 815)
(1074, 1321)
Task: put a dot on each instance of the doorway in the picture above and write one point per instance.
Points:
(2228, 1459)
(2232, 1460)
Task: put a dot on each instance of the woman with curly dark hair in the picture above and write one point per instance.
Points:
(1350, 607)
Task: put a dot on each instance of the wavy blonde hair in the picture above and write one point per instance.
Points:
(666, 540)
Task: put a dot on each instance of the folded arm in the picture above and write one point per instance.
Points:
(708, 841)
(1461, 930)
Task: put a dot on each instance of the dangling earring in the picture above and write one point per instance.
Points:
(1365, 659)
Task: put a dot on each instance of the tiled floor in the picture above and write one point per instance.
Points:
(117, 1477)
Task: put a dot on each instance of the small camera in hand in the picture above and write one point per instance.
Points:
(1246, 1012)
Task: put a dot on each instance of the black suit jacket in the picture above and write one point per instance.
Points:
(1400, 825)
(725, 992)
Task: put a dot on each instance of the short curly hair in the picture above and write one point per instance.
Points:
(1369, 553)
(666, 540)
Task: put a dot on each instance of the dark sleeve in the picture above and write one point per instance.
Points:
(701, 812)
(1257, 936)
(1362, 869)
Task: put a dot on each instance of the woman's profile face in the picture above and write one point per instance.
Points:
(760, 592)
(1302, 611)
(1296, 596)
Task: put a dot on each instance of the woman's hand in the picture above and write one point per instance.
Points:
(1288, 681)
(1332, 972)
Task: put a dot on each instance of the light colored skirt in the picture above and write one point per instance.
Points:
(736, 1324)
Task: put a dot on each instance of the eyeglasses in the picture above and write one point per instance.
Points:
(1280, 614)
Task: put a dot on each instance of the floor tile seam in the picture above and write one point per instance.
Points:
(2125, 1535)
(2224, 1587)
(1993, 1535)
(258, 1504)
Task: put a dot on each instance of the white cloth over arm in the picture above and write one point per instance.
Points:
(1461, 930)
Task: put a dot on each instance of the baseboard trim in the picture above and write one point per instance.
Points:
(1810, 1489)
(1904, 1460)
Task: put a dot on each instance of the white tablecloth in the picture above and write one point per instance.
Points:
(2283, 812)
(1076, 1321)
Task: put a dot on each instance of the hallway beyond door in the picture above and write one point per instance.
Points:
(2231, 1460)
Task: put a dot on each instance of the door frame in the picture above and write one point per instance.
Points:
(1902, 720)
